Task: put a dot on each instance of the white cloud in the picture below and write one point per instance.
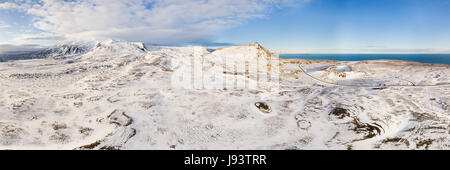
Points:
(37, 37)
(8, 5)
(17, 4)
(4, 26)
(15, 48)
(156, 21)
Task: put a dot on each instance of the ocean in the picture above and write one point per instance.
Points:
(423, 58)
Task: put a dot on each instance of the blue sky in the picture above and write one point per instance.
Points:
(312, 26)
(352, 26)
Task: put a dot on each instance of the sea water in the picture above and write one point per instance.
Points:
(423, 58)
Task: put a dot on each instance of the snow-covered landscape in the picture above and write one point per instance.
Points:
(124, 95)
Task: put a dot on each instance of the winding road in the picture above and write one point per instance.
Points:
(368, 86)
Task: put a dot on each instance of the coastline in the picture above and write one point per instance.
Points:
(369, 61)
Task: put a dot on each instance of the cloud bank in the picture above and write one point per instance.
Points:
(152, 21)
(15, 49)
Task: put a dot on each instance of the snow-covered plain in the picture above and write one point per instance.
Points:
(123, 95)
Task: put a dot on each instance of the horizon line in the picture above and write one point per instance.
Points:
(365, 53)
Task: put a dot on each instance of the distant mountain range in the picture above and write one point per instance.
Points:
(58, 51)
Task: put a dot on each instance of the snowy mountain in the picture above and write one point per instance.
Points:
(125, 95)
(58, 51)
